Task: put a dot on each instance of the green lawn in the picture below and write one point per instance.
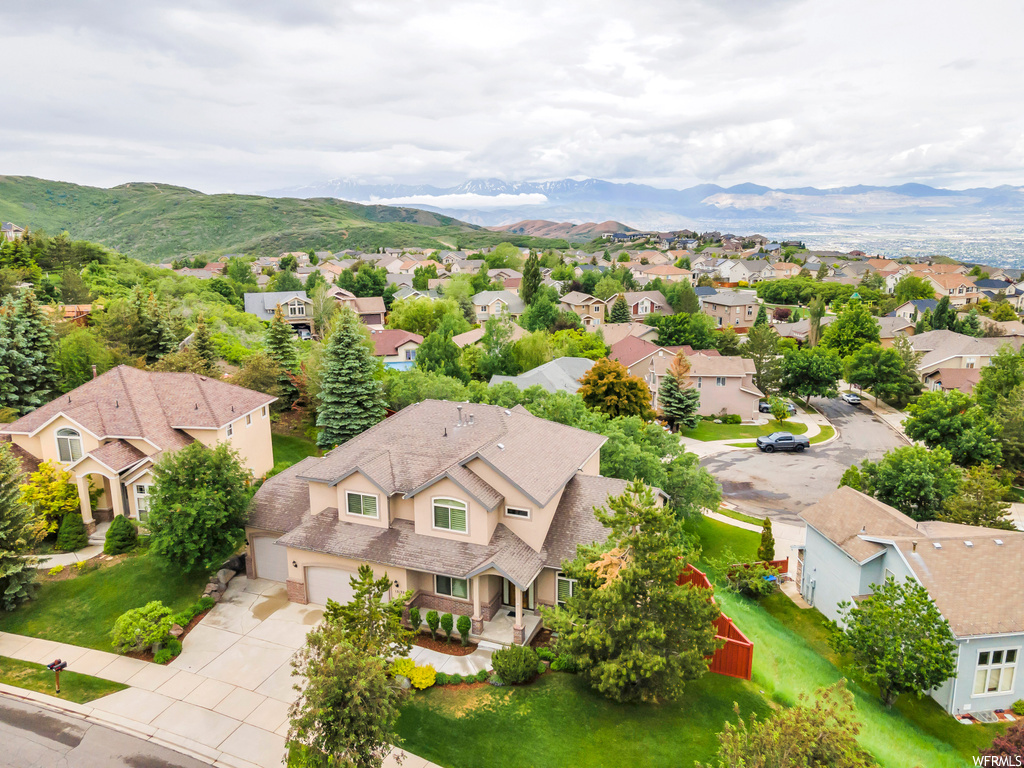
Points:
(289, 450)
(739, 516)
(82, 610)
(558, 721)
(708, 430)
(75, 687)
(716, 537)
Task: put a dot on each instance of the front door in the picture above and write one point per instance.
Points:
(508, 596)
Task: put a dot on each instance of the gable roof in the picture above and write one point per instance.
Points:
(559, 375)
(630, 350)
(512, 301)
(386, 342)
(632, 297)
(615, 332)
(263, 304)
(578, 297)
(474, 335)
(731, 299)
(942, 345)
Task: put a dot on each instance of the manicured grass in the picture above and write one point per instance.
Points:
(82, 610)
(289, 450)
(826, 433)
(75, 687)
(739, 516)
(559, 721)
(716, 537)
(708, 430)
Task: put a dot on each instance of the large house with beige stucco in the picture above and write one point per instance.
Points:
(111, 431)
(473, 508)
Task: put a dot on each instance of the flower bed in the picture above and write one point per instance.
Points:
(454, 648)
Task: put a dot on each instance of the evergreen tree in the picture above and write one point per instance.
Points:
(944, 316)
(766, 549)
(678, 399)
(351, 399)
(822, 272)
(815, 311)
(531, 280)
(279, 342)
(121, 536)
(203, 346)
(762, 317)
(17, 570)
(28, 352)
(72, 536)
(763, 348)
(688, 300)
(439, 353)
(620, 311)
(971, 324)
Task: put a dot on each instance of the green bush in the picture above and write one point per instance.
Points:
(121, 536)
(433, 620)
(447, 624)
(515, 664)
(140, 628)
(464, 625)
(732, 418)
(546, 654)
(415, 620)
(204, 603)
(565, 663)
(1018, 707)
(182, 618)
(403, 666)
(541, 667)
(72, 536)
(455, 679)
(481, 676)
(754, 581)
(168, 652)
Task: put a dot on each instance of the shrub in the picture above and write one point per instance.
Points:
(515, 664)
(754, 581)
(565, 663)
(464, 625)
(432, 621)
(546, 654)
(403, 666)
(72, 536)
(81, 565)
(1018, 707)
(423, 677)
(121, 537)
(170, 651)
(494, 679)
(140, 628)
(732, 418)
(415, 620)
(204, 603)
(541, 667)
(55, 570)
(447, 624)
(482, 675)
(455, 679)
(182, 618)
(441, 679)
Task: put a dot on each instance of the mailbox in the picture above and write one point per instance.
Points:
(57, 665)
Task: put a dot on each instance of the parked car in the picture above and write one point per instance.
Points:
(782, 441)
(851, 398)
(765, 407)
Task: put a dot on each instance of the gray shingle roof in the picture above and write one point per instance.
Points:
(263, 304)
(283, 500)
(574, 522)
(559, 375)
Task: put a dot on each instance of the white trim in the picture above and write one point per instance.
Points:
(376, 503)
(559, 576)
(48, 422)
(71, 460)
(133, 478)
(527, 516)
(989, 667)
(433, 519)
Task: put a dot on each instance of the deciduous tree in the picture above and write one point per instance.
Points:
(953, 421)
(811, 372)
(851, 330)
(913, 287)
(763, 348)
(978, 501)
(913, 479)
(609, 388)
(884, 372)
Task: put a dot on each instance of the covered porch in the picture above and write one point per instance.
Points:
(501, 630)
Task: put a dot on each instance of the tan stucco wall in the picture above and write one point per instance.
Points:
(45, 445)
(481, 522)
(532, 531)
(253, 443)
(402, 508)
(592, 466)
(544, 586)
(730, 397)
(146, 478)
(306, 559)
(322, 496)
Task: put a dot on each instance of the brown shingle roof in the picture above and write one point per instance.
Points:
(386, 342)
(282, 501)
(574, 522)
(117, 455)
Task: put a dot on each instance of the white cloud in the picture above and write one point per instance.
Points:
(257, 94)
(463, 200)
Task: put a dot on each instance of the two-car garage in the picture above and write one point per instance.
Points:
(271, 559)
(321, 582)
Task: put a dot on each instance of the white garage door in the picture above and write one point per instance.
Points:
(271, 559)
(323, 583)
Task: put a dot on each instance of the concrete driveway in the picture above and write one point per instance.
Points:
(780, 485)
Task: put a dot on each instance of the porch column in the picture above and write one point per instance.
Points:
(116, 497)
(518, 630)
(477, 618)
(82, 481)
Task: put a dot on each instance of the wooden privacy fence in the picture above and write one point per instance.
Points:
(736, 656)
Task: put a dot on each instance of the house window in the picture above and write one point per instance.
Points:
(263, 411)
(362, 504)
(698, 382)
(248, 419)
(231, 429)
(565, 587)
(720, 381)
(450, 515)
(69, 445)
(969, 362)
(296, 310)
(889, 575)
(446, 585)
(517, 512)
(410, 354)
(995, 673)
(142, 501)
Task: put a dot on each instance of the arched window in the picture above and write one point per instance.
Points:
(69, 445)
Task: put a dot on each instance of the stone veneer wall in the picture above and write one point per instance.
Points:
(296, 591)
(443, 604)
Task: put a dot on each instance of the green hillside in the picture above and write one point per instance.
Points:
(158, 222)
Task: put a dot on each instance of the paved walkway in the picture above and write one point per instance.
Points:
(705, 448)
(95, 548)
(225, 699)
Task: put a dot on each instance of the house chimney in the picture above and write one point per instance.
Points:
(94, 371)
(459, 408)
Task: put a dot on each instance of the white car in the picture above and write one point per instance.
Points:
(851, 398)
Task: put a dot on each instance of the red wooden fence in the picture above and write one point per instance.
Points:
(736, 657)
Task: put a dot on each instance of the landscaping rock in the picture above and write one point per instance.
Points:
(225, 575)
(176, 630)
(235, 563)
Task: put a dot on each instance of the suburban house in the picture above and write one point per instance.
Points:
(562, 374)
(915, 309)
(644, 303)
(998, 290)
(370, 309)
(944, 350)
(11, 232)
(112, 430)
(855, 542)
(296, 307)
(960, 288)
(616, 332)
(781, 270)
(591, 310)
(890, 327)
(490, 303)
(473, 508)
(474, 335)
(669, 273)
(395, 347)
(726, 385)
(732, 309)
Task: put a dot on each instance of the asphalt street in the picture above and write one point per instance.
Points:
(779, 485)
(32, 737)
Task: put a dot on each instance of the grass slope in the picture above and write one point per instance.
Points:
(157, 222)
(708, 430)
(75, 687)
(82, 610)
(290, 449)
(558, 721)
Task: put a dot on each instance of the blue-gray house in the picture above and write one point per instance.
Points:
(974, 575)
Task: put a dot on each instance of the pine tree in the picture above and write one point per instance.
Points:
(815, 311)
(72, 536)
(351, 399)
(28, 372)
(678, 399)
(17, 571)
(944, 316)
(279, 342)
(121, 537)
(202, 344)
(620, 311)
(970, 325)
(762, 317)
(531, 280)
(766, 550)
(688, 300)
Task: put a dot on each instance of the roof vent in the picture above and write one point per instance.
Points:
(197, 406)
(999, 542)
(863, 529)
(471, 419)
(507, 413)
(501, 446)
(117, 404)
(968, 543)
(914, 546)
(232, 409)
(936, 545)
(459, 408)
(445, 432)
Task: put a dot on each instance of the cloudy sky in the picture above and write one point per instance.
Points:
(250, 95)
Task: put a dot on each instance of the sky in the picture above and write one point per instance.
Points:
(251, 95)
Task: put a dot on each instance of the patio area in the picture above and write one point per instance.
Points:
(499, 630)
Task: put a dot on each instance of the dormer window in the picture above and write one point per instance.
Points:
(450, 515)
(69, 445)
(296, 310)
